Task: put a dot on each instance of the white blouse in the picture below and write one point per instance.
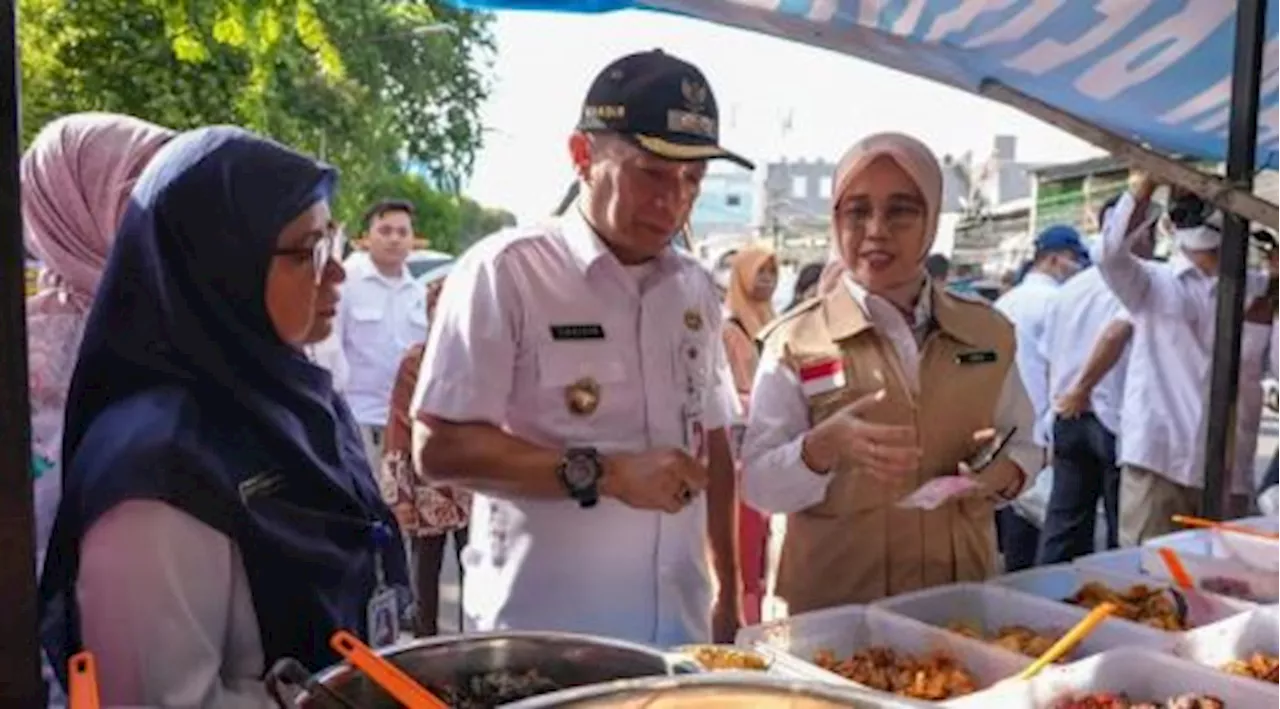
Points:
(165, 607)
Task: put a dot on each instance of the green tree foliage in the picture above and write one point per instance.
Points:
(365, 84)
(436, 215)
(477, 221)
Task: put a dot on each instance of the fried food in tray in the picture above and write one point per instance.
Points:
(933, 677)
(1108, 700)
(1149, 605)
(1018, 638)
(725, 657)
(1259, 665)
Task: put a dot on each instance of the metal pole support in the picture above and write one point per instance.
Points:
(20, 683)
(1242, 143)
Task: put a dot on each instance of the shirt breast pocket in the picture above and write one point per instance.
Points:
(366, 315)
(580, 385)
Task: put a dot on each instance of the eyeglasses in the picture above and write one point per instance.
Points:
(329, 246)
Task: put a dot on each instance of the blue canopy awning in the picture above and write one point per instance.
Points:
(1157, 72)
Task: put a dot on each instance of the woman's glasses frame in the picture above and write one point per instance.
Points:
(329, 246)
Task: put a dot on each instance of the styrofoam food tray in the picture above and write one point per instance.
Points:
(1060, 581)
(1233, 639)
(845, 629)
(1209, 554)
(990, 607)
(1141, 674)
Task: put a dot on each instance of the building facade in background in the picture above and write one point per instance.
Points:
(993, 199)
(985, 226)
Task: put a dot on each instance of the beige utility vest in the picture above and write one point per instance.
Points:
(856, 546)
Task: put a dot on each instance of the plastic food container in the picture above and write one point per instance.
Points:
(1060, 581)
(1249, 560)
(1233, 639)
(1262, 523)
(846, 629)
(1141, 674)
(1126, 561)
(987, 608)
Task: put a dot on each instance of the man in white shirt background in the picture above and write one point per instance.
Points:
(383, 312)
(1172, 306)
(1059, 255)
(1086, 345)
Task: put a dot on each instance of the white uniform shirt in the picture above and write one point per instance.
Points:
(1166, 389)
(775, 477)
(1078, 314)
(1027, 306)
(154, 579)
(494, 356)
(381, 318)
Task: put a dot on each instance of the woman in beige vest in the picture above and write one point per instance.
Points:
(875, 387)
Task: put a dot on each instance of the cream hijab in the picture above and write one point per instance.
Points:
(747, 264)
(915, 159)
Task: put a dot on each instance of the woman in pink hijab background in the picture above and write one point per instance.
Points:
(76, 179)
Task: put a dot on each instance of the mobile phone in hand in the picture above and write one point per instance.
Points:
(990, 451)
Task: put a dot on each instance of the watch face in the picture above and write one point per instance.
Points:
(580, 471)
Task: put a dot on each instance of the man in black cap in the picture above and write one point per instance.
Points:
(573, 381)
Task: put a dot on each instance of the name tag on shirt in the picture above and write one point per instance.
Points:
(976, 357)
(577, 332)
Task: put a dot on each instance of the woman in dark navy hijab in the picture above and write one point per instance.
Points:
(218, 510)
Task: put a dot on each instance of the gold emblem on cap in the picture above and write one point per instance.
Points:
(582, 397)
(693, 319)
(695, 93)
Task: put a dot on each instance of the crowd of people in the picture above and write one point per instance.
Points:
(240, 446)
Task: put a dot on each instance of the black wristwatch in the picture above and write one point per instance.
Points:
(579, 471)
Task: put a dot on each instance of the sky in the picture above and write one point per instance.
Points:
(546, 61)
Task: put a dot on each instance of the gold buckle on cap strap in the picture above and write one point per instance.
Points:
(678, 151)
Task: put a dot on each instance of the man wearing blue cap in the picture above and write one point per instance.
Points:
(1059, 255)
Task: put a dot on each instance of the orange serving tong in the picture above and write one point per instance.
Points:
(399, 685)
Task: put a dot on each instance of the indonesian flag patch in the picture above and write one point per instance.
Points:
(822, 376)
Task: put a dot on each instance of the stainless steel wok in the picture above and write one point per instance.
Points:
(567, 660)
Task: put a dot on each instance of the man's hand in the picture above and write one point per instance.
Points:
(726, 618)
(1142, 184)
(664, 479)
(1073, 403)
(1262, 310)
(883, 451)
(997, 478)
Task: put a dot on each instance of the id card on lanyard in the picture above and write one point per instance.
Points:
(382, 615)
(694, 382)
